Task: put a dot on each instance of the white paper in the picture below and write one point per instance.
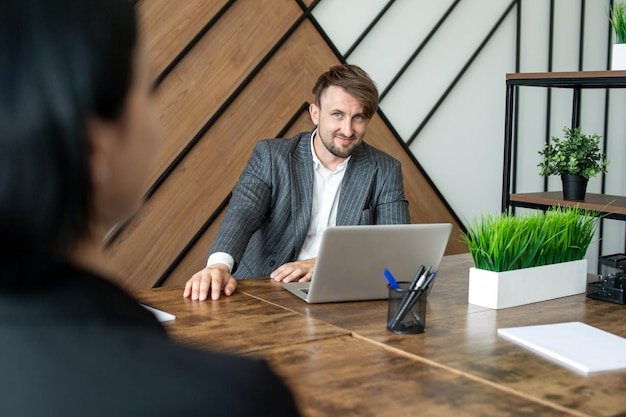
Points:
(160, 314)
(581, 347)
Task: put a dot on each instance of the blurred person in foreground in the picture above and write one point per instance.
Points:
(77, 138)
(291, 190)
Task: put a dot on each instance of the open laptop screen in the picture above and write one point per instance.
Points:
(351, 260)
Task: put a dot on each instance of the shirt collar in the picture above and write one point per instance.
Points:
(316, 162)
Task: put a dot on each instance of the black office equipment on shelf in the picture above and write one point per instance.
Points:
(612, 281)
(612, 264)
(609, 288)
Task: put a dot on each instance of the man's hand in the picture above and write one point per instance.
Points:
(214, 278)
(300, 271)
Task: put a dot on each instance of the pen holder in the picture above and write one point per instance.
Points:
(406, 313)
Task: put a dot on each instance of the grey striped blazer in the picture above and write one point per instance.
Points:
(269, 212)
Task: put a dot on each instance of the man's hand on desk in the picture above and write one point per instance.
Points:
(214, 278)
(300, 271)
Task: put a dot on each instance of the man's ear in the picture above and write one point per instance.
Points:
(314, 111)
(102, 140)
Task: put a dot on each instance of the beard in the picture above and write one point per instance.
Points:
(340, 152)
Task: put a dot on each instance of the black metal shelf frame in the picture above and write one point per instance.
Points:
(574, 83)
(604, 80)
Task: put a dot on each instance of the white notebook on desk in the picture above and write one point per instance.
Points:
(581, 347)
(160, 315)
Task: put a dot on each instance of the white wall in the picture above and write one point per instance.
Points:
(461, 146)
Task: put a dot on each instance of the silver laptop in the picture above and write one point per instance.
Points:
(352, 259)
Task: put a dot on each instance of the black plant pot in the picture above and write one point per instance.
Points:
(574, 187)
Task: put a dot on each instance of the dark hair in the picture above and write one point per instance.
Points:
(354, 81)
(60, 61)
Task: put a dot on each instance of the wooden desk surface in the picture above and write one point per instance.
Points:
(340, 359)
(237, 324)
(346, 376)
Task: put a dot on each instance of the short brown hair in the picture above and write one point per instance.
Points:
(354, 81)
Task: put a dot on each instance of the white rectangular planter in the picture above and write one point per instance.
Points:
(618, 59)
(524, 286)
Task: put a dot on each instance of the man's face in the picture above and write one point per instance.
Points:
(340, 122)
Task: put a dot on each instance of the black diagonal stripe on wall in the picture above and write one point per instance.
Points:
(461, 73)
(421, 169)
(421, 46)
(168, 69)
(368, 29)
(303, 108)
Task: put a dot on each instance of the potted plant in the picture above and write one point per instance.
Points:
(617, 17)
(576, 158)
(529, 258)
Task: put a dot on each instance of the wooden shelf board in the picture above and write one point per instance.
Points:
(599, 202)
(564, 74)
(572, 79)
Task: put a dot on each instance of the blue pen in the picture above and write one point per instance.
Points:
(390, 279)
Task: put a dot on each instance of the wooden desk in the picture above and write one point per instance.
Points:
(339, 358)
(237, 324)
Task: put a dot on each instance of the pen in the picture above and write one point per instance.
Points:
(421, 279)
(429, 280)
(428, 285)
(390, 279)
(420, 282)
(417, 276)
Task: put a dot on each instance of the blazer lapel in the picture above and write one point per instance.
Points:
(301, 168)
(356, 188)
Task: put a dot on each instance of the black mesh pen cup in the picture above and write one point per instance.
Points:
(406, 313)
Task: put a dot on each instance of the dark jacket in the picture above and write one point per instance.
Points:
(80, 346)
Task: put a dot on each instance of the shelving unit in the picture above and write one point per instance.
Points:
(613, 207)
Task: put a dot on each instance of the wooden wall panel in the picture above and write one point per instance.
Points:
(215, 68)
(168, 26)
(200, 91)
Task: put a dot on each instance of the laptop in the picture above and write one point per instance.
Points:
(351, 260)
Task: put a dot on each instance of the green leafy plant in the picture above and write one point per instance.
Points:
(504, 242)
(617, 17)
(576, 154)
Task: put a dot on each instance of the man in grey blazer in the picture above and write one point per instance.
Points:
(291, 190)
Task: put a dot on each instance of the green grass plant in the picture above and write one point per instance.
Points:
(617, 17)
(504, 242)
